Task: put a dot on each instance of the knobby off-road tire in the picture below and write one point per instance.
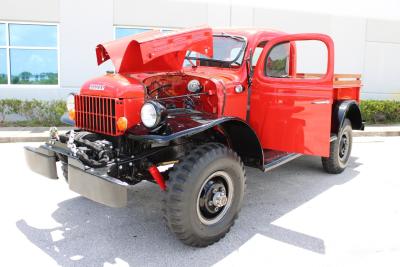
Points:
(204, 194)
(340, 150)
(64, 168)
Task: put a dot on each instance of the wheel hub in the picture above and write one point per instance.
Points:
(215, 197)
(219, 199)
(343, 146)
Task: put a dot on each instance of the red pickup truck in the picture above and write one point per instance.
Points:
(188, 110)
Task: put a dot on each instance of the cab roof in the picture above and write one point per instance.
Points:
(250, 33)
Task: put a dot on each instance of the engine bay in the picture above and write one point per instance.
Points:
(172, 102)
(182, 91)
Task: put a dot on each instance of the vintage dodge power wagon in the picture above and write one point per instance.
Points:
(189, 109)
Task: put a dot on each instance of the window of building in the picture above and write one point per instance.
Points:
(3, 66)
(3, 55)
(122, 31)
(28, 54)
(2, 34)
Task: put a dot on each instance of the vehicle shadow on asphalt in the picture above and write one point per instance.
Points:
(91, 234)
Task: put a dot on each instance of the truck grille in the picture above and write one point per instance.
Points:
(98, 114)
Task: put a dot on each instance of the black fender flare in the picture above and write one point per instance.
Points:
(346, 109)
(239, 135)
(244, 141)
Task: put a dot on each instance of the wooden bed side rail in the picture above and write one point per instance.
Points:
(338, 79)
(347, 76)
(310, 75)
(347, 79)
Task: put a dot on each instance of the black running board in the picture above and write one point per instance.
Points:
(280, 161)
(274, 158)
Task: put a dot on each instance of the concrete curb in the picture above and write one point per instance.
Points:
(18, 135)
(375, 133)
(22, 139)
(25, 134)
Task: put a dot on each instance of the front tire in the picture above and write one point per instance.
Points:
(204, 194)
(64, 169)
(340, 150)
(64, 166)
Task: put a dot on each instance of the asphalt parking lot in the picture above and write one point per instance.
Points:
(295, 215)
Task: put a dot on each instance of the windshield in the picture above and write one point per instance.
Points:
(228, 51)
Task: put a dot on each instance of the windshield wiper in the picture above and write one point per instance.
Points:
(208, 59)
(224, 34)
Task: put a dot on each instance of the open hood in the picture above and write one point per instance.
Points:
(155, 51)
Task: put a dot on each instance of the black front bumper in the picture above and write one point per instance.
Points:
(91, 183)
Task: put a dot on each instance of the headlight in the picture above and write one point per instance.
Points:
(70, 102)
(152, 114)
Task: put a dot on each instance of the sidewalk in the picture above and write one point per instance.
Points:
(41, 134)
(379, 130)
(26, 134)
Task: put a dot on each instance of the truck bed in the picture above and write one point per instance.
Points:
(345, 86)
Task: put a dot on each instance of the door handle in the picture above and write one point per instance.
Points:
(321, 102)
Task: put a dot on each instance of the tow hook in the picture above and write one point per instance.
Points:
(53, 132)
(70, 144)
(155, 173)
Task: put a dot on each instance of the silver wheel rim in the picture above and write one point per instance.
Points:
(215, 180)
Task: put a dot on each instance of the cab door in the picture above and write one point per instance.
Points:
(291, 111)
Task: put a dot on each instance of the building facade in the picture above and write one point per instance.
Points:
(47, 47)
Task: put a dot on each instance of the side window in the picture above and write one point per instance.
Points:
(277, 61)
(311, 59)
(257, 53)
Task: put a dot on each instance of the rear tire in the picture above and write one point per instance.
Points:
(204, 194)
(340, 150)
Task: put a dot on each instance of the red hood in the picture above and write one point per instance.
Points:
(113, 85)
(155, 51)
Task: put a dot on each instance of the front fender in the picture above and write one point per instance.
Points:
(179, 123)
(239, 135)
(346, 109)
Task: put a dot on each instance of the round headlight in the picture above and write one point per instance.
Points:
(194, 86)
(152, 114)
(70, 102)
